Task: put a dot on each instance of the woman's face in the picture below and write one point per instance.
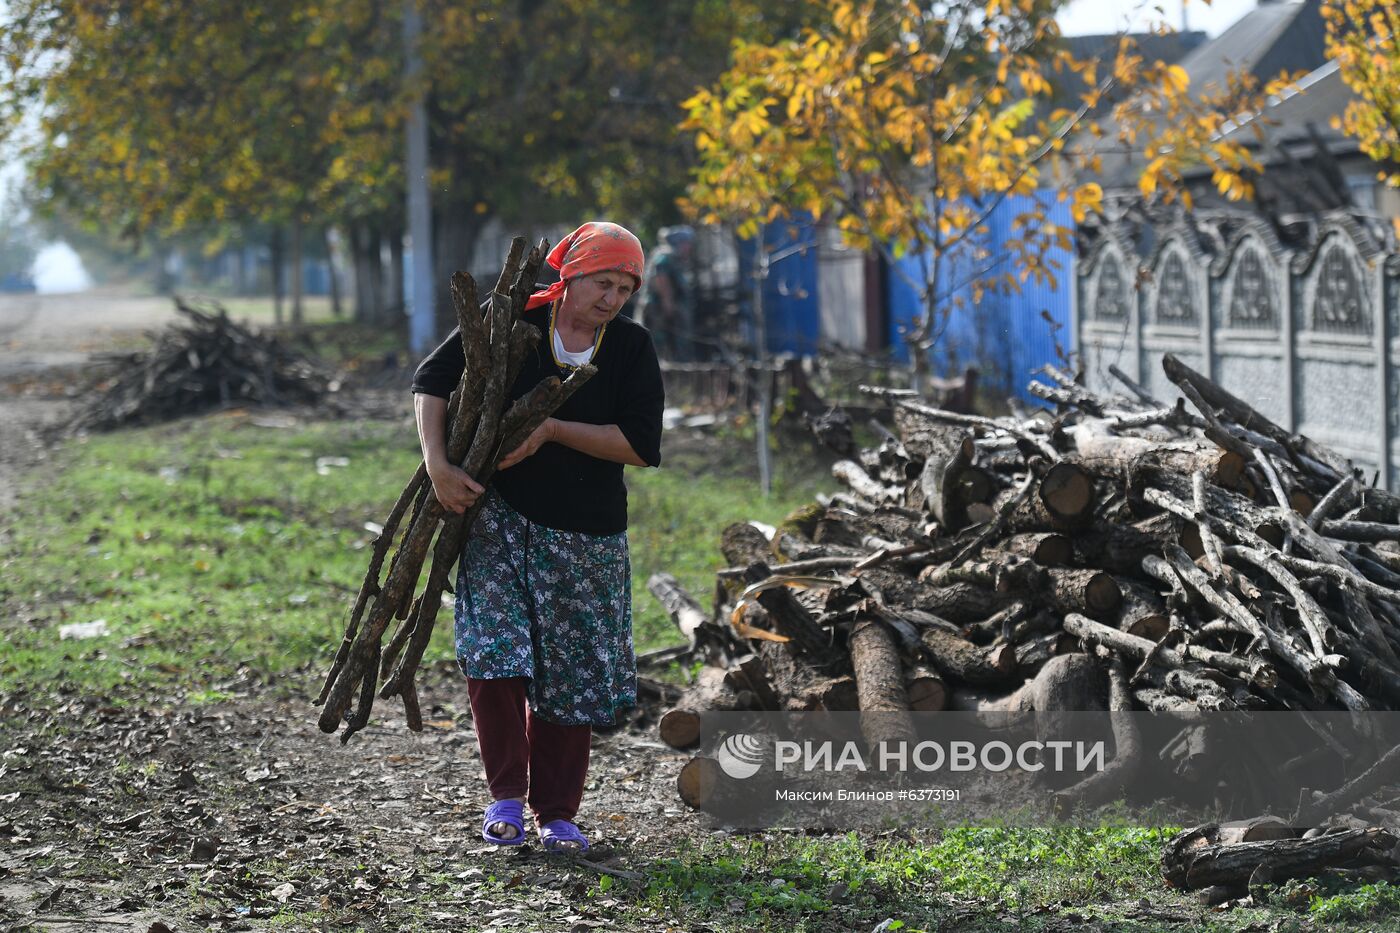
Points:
(594, 300)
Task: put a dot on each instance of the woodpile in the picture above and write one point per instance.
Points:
(483, 426)
(203, 362)
(1192, 558)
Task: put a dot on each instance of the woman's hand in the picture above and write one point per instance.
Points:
(537, 439)
(455, 490)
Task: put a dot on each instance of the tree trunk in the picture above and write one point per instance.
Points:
(455, 234)
(278, 259)
(375, 266)
(240, 284)
(394, 283)
(298, 315)
(356, 239)
(333, 271)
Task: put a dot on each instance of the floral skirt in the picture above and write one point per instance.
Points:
(554, 606)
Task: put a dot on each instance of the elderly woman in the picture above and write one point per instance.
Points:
(544, 602)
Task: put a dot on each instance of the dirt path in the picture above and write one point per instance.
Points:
(223, 816)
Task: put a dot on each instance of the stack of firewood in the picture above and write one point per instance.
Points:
(1104, 553)
(483, 426)
(203, 362)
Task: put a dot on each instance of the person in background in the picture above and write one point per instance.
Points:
(668, 310)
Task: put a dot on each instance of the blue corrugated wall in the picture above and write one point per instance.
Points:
(1005, 336)
(790, 300)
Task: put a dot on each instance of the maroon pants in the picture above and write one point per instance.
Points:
(524, 755)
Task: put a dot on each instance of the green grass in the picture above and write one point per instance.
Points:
(1369, 903)
(260, 309)
(969, 878)
(213, 544)
(1024, 871)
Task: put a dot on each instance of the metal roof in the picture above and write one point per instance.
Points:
(1271, 38)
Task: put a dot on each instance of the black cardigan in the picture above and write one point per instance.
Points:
(560, 487)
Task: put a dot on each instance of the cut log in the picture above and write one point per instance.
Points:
(1256, 829)
(791, 619)
(1196, 858)
(1143, 613)
(1110, 783)
(961, 603)
(699, 782)
(743, 544)
(751, 674)
(961, 660)
(1063, 500)
(702, 636)
(1091, 592)
(1032, 655)
(1138, 459)
(862, 484)
(833, 694)
(1046, 548)
(947, 455)
(680, 727)
(880, 684)
(1119, 549)
(879, 672)
(927, 691)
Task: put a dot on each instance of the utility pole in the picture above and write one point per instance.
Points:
(765, 377)
(418, 301)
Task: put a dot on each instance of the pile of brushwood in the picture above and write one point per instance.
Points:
(1103, 553)
(483, 425)
(202, 362)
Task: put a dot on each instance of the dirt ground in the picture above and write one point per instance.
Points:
(140, 817)
(218, 817)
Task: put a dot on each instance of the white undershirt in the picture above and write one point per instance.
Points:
(564, 356)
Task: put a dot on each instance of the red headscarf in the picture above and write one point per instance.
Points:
(597, 246)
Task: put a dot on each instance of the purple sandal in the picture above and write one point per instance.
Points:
(556, 832)
(510, 812)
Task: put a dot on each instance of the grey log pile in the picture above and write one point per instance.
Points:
(1216, 559)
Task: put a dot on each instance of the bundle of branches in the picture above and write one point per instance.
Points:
(482, 427)
(204, 361)
(1102, 551)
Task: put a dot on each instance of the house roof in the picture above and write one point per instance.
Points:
(1169, 48)
(1312, 102)
(1271, 38)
